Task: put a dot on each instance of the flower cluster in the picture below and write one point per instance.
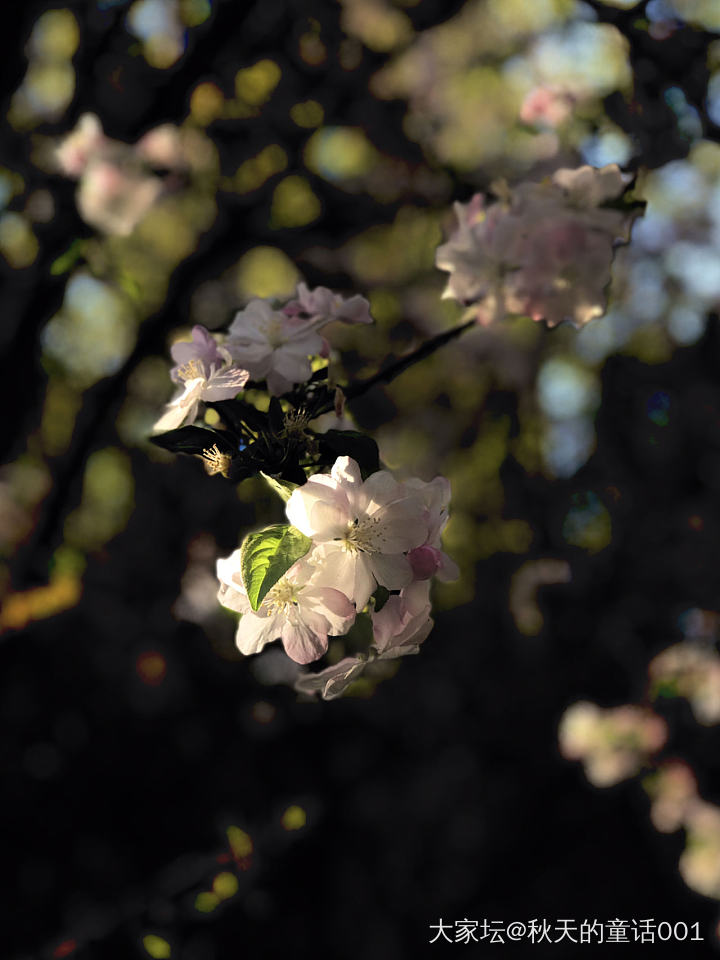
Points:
(542, 250)
(262, 343)
(358, 548)
(690, 669)
(612, 744)
(117, 182)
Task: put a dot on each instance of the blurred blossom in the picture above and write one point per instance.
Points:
(542, 249)
(115, 200)
(690, 669)
(471, 113)
(117, 186)
(613, 744)
(673, 791)
(700, 861)
(547, 106)
(74, 152)
(524, 588)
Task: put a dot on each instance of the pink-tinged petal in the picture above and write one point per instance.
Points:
(333, 681)
(202, 347)
(355, 310)
(301, 643)
(390, 570)
(254, 632)
(332, 605)
(389, 622)
(409, 645)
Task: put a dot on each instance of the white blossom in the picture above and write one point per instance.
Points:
(361, 530)
(273, 346)
(296, 610)
(205, 371)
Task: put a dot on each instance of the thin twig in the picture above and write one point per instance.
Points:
(386, 375)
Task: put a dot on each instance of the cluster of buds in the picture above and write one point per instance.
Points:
(542, 250)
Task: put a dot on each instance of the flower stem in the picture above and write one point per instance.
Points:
(387, 374)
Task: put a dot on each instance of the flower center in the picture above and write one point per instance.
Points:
(282, 598)
(192, 370)
(364, 536)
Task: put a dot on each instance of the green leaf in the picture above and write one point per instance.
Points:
(283, 488)
(68, 259)
(192, 440)
(267, 555)
(381, 597)
(351, 443)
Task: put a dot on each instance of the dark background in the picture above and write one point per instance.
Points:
(444, 794)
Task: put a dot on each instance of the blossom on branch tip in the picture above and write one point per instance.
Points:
(296, 610)
(273, 346)
(321, 306)
(542, 250)
(205, 371)
(361, 529)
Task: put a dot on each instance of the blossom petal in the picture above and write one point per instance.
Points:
(302, 644)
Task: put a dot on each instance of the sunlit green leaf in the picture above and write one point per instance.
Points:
(267, 555)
